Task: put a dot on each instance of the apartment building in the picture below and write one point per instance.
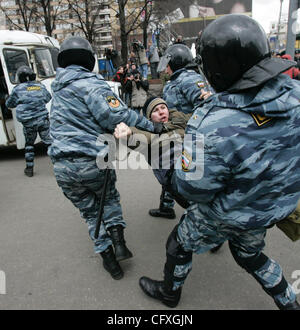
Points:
(67, 22)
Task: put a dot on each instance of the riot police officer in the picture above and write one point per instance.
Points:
(30, 98)
(248, 178)
(182, 92)
(83, 109)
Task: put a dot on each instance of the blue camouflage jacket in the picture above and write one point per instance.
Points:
(183, 90)
(249, 173)
(83, 108)
(30, 99)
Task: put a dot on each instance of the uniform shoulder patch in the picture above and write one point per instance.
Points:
(186, 161)
(112, 101)
(33, 88)
(260, 120)
(200, 84)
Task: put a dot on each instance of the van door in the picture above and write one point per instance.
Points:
(11, 59)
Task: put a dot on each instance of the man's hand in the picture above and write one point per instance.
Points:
(122, 131)
(205, 95)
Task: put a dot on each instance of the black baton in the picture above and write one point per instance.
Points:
(102, 200)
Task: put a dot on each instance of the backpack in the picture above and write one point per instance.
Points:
(291, 225)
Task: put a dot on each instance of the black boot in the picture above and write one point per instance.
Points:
(289, 307)
(157, 290)
(28, 171)
(162, 211)
(168, 213)
(117, 237)
(111, 264)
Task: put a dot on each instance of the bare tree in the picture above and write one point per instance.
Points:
(146, 20)
(26, 14)
(128, 23)
(48, 13)
(86, 13)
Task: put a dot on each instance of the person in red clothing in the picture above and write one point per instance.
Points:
(292, 72)
(120, 77)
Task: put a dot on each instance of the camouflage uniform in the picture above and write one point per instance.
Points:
(31, 98)
(173, 133)
(250, 180)
(182, 92)
(83, 108)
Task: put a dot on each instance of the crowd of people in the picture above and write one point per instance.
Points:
(244, 111)
(133, 77)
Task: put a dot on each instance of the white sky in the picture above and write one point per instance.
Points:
(267, 11)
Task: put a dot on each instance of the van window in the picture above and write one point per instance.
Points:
(14, 59)
(54, 54)
(44, 63)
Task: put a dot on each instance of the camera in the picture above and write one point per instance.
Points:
(136, 76)
(136, 46)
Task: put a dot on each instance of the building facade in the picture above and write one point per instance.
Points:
(66, 19)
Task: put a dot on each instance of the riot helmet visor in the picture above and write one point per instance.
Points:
(163, 63)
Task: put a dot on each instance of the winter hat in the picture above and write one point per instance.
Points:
(150, 104)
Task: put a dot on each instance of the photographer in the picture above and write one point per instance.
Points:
(113, 61)
(120, 77)
(140, 52)
(139, 88)
(127, 89)
(132, 58)
(153, 60)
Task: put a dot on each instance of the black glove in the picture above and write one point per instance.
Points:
(160, 128)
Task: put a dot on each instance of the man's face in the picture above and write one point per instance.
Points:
(160, 114)
(168, 70)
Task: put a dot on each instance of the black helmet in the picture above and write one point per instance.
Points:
(177, 56)
(229, 47)
(76, 50)
(25, 73)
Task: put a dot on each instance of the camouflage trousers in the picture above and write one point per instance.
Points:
(166, 199)
(31, 129)
(197, 234)
(82, 183)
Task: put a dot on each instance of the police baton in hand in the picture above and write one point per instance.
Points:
(102, 200)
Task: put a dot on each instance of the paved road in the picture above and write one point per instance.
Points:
(48, 261)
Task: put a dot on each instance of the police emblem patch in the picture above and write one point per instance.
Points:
(260, 120)
(113, 102)
(186, 161)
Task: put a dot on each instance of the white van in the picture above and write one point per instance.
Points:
(22, 48)
(38, 52)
